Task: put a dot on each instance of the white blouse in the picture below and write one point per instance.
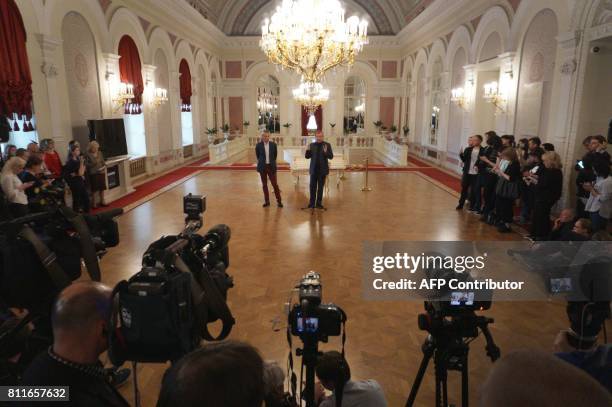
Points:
(10, 187)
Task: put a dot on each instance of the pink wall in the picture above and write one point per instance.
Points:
(233, 69)
(389, 69)
(235, 112)
(387, 108)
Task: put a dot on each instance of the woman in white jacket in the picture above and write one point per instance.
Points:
(13, 188)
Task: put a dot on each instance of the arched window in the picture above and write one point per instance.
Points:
(354, 105)
(268, 100)
(436, 101)
(130, 72)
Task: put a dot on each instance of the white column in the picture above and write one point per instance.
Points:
(195, 114)
(444, 115)
(148, 110)
(508, 85)
(61, 131)
(174, 98)
(469, 91)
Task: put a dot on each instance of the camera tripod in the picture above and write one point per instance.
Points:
(309, 354)
(450, 352)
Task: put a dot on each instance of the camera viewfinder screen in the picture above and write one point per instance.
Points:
(561, 285)
(462, 298)
(308, 325)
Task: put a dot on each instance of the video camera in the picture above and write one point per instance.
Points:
(310, 317)
(162, 312)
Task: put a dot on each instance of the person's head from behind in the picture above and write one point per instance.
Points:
(47, 145)
(567, 215)
(550, 159)
(583, 227)
(509, 154)
(333, 370)
(228, 374)
(33, 147)
(79, 318)
(548, 147)
(319, 136)
(507, 140)
(534, 142)
(34, 164)
(22, 153)
(476, 140)
(11, 150)
(93, 147)
(13, 166)
(530, 378)
(274, 380)
(265, 136)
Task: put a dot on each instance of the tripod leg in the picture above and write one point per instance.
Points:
(419, 377)
(464, 382)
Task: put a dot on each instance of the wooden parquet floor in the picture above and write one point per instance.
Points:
(271, 248)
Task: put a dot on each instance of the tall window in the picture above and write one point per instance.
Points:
(268, 99)
(436, 100)
(213, 88)
(354, 105)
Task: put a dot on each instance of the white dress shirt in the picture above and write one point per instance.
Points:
(267, 150)
(601, 203)
(474, 157)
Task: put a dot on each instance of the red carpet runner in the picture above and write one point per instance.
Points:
(150, 187)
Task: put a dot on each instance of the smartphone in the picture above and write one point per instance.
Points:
(534, 169)
(560, 285)
(580, 164)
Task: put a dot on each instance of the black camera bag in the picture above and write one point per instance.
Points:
(153, 319)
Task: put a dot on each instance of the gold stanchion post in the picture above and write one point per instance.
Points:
(365, 178)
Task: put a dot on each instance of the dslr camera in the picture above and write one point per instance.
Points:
(312, 318)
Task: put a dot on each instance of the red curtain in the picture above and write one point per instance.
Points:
(185, 85)
(15, 77)
(306, 116)
(130, 71)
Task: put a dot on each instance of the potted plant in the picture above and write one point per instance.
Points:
(211, 135)
(225, 129)
(246, 126)
(406, 130)
(333, 125)
(287, 126)
(378, 125)
(393, 129)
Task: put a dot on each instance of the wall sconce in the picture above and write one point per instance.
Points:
(494, 96)
(160, 96)
(122, 94)
(458, 97)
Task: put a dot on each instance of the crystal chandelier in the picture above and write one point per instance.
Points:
(311, 95)
(312, 37)
(266, 101)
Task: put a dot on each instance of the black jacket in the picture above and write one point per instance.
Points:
(549, 186)
(85, 389)
(466, 158)
(260, 153)
(318, 158)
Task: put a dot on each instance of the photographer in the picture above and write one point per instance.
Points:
(74, 172)
(13, 188)
(79, 318)
(335, 374)
(228, 374)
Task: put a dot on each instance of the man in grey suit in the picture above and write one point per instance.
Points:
(266, 152)
(319, 152)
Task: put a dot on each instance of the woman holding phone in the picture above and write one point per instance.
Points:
(13, 188)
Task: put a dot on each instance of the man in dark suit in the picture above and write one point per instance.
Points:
(266, 153)
(318, 152)
(469, 156)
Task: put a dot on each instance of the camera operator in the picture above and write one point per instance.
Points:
(228, 374)
(13, 188)
(79, 318)
(527, 378)
(335, 375)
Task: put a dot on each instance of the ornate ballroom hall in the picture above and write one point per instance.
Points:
(178, 93)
